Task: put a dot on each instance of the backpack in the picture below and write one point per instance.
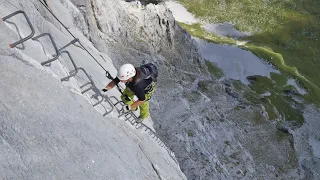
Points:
(149, 71)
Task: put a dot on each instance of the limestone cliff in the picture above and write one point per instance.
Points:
(213, 130)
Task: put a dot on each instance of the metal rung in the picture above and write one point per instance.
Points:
(75, 71)
(71, 42)
(92, 87)
(56, 55)
(116, 103)
(110, 103)
(100, 101)
(91, 83)
(129, 116)
(89, 88)
(140, 125)
(29, 23)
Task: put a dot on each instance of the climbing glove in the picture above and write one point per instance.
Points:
(126, 108)
(104, 90)
(126, 97)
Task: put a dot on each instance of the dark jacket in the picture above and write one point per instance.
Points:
(138, 86)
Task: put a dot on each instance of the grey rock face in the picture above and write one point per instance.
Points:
(214, 132)
(48, 129)
(135, 33)
(206, 124)
(49, 133)
(145, 2)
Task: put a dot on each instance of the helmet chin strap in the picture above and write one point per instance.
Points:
(130, 79)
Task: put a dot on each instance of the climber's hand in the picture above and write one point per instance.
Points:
(104, 90)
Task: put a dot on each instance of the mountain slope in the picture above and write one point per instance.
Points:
(48, 129)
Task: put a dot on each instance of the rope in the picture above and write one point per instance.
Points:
(108, 76)
(78, 42)
(71, 34)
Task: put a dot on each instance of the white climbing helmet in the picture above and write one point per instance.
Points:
(126, 72)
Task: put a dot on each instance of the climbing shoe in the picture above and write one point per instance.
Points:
(140, 119)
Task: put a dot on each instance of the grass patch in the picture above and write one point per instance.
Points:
(286, 33)
(278, 104)
(227, 142)
(252, 94)
(280, 136)
(191, 97)
(213, 69)
(286, 107)
(279, 79)
(277, 60)
(258, 118)
(197, 31)
(189, 132)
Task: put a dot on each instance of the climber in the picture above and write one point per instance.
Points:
(140, 81)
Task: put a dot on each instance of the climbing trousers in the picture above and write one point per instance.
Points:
(144, 107)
